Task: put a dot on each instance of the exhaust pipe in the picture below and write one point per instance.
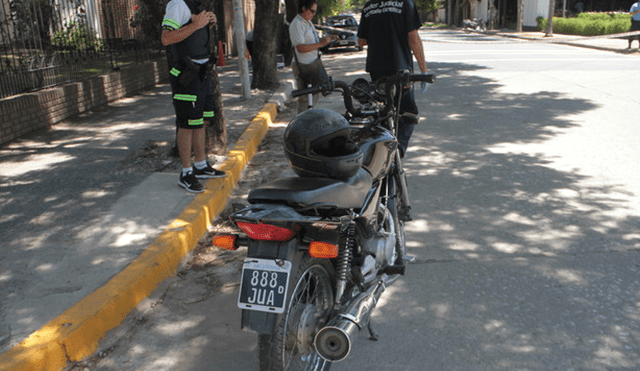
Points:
(333, 342)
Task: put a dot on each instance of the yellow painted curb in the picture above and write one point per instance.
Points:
(76, 333)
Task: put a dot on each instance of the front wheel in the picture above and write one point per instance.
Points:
(291, 347)
(399, 213)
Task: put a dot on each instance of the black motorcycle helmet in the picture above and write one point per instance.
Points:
(317, 144)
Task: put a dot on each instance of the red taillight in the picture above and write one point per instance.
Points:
(323, 250)
(266, 232)
(225, 241)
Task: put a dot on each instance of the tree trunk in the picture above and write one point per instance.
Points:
(291, 7)
(265, 72)
(552, 9)
(216, 130)
(457, 13)
(520, 15)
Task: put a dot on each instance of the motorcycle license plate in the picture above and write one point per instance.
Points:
(264, 285)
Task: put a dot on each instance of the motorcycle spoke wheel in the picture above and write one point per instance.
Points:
(291, 348)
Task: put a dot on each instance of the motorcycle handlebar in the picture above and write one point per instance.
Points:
(405, 77)
(327, 87)
(311, 90)
(429, 78)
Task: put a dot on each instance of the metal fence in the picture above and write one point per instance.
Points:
(50, 42)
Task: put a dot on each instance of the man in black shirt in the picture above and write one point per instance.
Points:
(389, 28)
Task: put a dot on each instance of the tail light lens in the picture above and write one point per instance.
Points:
(266, 232)
(226, 241)
(323, 250)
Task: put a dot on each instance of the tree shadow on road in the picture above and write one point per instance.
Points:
(472, 179)
(525, 264)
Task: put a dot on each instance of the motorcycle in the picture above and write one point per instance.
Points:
(324, 245)
(477, 24)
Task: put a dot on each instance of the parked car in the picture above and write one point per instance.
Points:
(345, 26)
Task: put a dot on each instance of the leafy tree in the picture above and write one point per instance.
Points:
(428, 6)
(75, 35)
(33, 20)
(333, 7)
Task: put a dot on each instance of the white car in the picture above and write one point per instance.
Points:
(346, 27)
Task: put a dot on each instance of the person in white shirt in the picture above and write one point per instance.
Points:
(306, 45)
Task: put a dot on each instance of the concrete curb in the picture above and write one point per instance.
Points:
(595, 47)
(76, 333)
(567, 42)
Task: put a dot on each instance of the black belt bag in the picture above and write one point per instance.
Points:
(312, 73)
(188, 71)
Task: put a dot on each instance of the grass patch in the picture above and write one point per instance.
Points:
(435, 25)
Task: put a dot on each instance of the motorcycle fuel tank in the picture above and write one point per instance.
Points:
(378, 151)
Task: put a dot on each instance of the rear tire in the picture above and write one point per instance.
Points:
(291, 347)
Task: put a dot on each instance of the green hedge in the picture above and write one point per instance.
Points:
(589, 24)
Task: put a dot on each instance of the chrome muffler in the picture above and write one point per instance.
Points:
(333, 342)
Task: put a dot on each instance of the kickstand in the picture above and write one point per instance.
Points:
(372, 334)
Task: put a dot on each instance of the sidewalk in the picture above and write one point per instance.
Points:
(597, 42)
(92, 215)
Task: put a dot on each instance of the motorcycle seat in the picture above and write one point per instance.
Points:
(306, 191)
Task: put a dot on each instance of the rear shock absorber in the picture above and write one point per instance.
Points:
(343, 265)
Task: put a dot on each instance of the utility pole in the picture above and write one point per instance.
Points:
(238, 28)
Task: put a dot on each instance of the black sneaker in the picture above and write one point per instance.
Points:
(208, 172)
(190, 183)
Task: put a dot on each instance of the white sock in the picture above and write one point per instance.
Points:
(201, 165)
(186, 170)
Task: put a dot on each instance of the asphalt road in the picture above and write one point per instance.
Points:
(526, 219)
(526, 189)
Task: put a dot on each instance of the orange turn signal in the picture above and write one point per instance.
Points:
(225, 241)
(323, 250)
